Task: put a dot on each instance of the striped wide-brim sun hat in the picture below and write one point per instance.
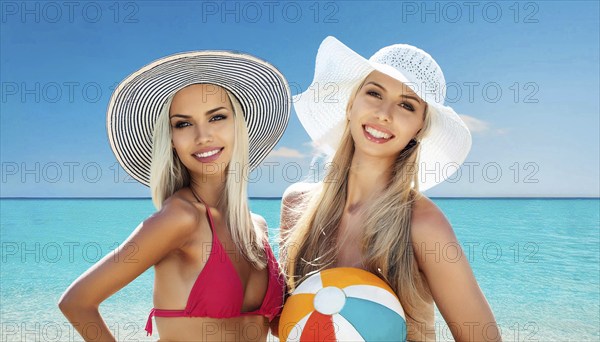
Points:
(135, 105)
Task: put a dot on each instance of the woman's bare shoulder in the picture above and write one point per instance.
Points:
(259, 221)
(295, 192)
(292, 202)
(179, 215)
(428, 221)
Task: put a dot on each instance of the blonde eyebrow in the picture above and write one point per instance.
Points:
(189, 116)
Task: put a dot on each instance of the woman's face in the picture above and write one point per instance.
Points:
(384, 116)
(202, 125)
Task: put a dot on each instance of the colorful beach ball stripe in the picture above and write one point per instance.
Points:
(343, 304)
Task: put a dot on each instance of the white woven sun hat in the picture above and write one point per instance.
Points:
(135, 105)
(322, 107)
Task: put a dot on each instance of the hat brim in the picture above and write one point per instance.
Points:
(322, 108)
(261, 89)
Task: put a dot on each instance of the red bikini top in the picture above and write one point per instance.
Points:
(218, 291)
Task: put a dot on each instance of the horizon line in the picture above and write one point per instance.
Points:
(279, 198)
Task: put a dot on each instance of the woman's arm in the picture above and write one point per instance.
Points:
(152, 240)
(290, 203)
(449, 275)
(262, 223)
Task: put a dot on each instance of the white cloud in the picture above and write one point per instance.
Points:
(285, 152)
(475, 125)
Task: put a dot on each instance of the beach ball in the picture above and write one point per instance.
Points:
(342, 304)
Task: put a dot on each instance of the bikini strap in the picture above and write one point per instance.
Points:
(210, 219)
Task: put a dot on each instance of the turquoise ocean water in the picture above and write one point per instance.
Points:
(537, 261)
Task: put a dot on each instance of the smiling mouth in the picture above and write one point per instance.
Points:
(209, 153)
(376, 135)
(208, 156)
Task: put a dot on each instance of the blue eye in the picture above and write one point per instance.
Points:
(181, 124)
(218, 117)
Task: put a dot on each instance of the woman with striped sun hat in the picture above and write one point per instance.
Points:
(191, 126)
(386, 130)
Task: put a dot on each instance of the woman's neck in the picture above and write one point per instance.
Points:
(209, 192)
(367, 178)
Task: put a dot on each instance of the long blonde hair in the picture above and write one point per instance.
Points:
(168, 175)
(386, 245)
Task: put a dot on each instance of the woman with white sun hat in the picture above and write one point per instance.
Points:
(385, 128)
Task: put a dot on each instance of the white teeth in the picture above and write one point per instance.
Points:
(376, 133)
(207, 154)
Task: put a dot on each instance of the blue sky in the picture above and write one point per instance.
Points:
(524, 75)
